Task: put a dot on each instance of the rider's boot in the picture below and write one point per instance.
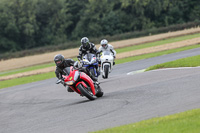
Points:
(69, 89)
(98, 73)
(96, 83)
(113, 63)
(97, 70)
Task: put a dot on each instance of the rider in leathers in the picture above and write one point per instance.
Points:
(62, 63)
(85, 48)
(107, 47)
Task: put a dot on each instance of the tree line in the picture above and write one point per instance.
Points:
(27, 24)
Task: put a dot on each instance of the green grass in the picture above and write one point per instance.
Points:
(193, 61)
(185, 122)
(150, 55)
(24, 80)
(26, 69)
(165, 41)
(6, 73)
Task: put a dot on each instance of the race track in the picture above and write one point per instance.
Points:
(44, 107)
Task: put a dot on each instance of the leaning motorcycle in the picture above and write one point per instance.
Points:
(106, 63)
(90, 62)
(81, 83)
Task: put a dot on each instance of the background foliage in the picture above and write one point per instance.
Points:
(28, 24)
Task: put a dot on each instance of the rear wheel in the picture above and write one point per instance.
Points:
(87, 93)
(106, 70)
(99, 92)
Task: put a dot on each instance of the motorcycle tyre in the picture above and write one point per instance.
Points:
(106, 71)
(100, 92)
(85, 92)
(92, 72)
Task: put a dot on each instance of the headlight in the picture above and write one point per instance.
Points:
(87, 63)
(70, 82)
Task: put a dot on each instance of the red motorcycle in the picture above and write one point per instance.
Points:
(81, 83)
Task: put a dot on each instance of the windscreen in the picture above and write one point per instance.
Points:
(67, 70)
(89, 56)
(106, 52)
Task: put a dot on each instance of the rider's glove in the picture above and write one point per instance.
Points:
(114, 56)
(75, 64)
(79, 57)
(98, 53)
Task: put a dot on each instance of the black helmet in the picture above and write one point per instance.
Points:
(59, 59)
(85, 42)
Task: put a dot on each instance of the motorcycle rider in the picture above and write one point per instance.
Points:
(62, 63)
(107, 47)
(85, 48)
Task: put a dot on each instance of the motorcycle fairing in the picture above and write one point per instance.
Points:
(88, 80)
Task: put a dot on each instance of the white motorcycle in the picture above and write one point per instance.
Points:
(106, 63)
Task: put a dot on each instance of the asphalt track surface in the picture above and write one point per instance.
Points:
(44, 107)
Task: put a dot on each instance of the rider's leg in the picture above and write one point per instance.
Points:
(97, 70)
(91, 75)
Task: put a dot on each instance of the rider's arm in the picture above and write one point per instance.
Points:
(112, 50)
(80, 53)
(58, 74)
(94, 48)
(100, 49)
(70, 62)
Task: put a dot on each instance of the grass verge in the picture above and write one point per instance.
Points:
(193, 61)
(6, 73)
(24, 80)
(29, 79)
(150, 55)
(185, 122)
(165, 41)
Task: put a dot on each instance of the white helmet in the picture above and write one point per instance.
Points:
(104, 43)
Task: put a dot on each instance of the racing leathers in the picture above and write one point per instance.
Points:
(110, 49)
(59, 71)
(85, 50)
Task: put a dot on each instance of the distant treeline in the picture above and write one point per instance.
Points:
(27, 24)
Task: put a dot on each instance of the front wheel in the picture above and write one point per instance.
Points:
(106, 71)
(87, 93)
(92, 72)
